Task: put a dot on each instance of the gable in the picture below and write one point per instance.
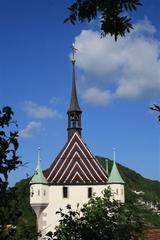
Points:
(76, 165)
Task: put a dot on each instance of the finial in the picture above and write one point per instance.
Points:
(73, 53)
(39, 151)
(114, 154)
(106, 165)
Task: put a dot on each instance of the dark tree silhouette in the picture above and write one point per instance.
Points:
(113, 14)
(9, 161)
(8, 146)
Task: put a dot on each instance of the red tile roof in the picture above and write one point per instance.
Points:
(153, 234)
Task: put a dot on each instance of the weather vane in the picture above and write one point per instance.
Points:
(74, 50)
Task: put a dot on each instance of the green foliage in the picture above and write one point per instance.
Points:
(25, 231)
(26, 224)
(9, 161)
(8, 146)
(16, 220)
(18, 214)
(101, 219)
(114, 16)
(9, 209)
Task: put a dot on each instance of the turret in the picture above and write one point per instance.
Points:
(74, 111)
(39, 191)
(116, 183)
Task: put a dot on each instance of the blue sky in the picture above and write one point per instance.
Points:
(117, 82)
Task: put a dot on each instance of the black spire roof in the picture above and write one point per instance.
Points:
(74, 105)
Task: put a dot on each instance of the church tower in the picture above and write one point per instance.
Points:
(73, 176)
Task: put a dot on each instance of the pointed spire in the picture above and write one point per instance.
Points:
(115, 176)
(74, 105)
(74, 111)
(38, 176)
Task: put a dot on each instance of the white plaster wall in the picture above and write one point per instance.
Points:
(76, 195)
(117, 191)
(39, 194)
(39, 200)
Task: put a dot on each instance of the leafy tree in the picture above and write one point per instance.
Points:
(8, 146)
(9, 161)
(113, 14)
(101, 219)
(25, 231)
(26, 227)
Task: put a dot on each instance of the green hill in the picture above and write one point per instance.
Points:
(137, 188)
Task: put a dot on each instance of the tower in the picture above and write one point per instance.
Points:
(39, 193)
(116, 183)
(73, 176)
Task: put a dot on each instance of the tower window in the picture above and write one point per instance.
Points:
(44, 192)
(38, 192)
(31, 192)
(89, 192)
(65, 192)
(117, 191)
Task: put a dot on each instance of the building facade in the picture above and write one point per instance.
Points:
(73, 176)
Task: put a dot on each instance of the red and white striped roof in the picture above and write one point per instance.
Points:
(76, 165)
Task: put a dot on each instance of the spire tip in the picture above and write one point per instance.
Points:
(73, 53)
(114, 154)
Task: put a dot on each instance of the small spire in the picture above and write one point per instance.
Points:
(38, 176)
(115, 176)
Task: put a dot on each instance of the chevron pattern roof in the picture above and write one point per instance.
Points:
(76, 165)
